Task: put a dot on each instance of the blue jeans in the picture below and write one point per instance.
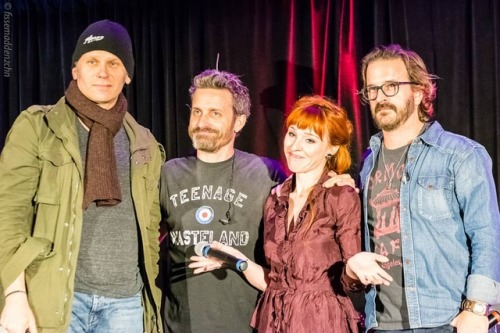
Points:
(99, 314)
(440, 329)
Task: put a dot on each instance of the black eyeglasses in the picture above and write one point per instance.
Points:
(389, 89)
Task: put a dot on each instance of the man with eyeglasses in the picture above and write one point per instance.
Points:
(430, 209)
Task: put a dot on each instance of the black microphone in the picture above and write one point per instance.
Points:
(203, 249)
(493, 318)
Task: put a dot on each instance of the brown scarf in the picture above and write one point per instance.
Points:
(101, 181)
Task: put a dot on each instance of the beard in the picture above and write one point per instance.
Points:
(209, 140)
(402, 115)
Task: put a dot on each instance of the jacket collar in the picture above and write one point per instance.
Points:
(432, 134)
(140, 138)
(429, 136)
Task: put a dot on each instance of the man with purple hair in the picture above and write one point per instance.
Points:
(216, 194)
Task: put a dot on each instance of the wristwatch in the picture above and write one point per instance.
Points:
(476, 307)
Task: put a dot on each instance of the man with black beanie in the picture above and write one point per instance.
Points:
(79, 203)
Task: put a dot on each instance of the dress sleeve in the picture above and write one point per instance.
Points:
(347, 208)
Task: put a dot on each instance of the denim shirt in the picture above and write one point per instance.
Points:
(450, 226)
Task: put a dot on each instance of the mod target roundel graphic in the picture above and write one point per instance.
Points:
(204, 214)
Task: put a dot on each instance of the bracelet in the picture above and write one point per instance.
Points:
(14, 292)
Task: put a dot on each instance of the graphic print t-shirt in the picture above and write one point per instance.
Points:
(385, 235)
(195, 196)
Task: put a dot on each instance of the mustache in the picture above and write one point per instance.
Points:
(204, 130)
(385, 105)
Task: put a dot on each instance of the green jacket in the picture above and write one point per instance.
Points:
(41, 193)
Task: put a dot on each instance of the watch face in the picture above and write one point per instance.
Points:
(478, 308)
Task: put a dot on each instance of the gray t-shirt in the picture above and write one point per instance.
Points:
(108, 262)
(385, 235)
(194, 197)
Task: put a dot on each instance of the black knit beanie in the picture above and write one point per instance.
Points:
(107, 36)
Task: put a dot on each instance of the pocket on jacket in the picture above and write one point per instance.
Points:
(52, 160)
(435, 194)
(56, 167)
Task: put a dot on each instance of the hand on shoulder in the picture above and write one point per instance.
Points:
(344, 179)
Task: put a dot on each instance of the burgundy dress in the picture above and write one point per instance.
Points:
(306, 291)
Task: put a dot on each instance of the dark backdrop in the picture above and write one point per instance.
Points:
(282, 49)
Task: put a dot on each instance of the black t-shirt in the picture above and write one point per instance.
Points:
(194, 197)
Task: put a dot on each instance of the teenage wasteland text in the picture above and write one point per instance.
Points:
(204, 195)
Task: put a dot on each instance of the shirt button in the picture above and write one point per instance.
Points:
(408, 261)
